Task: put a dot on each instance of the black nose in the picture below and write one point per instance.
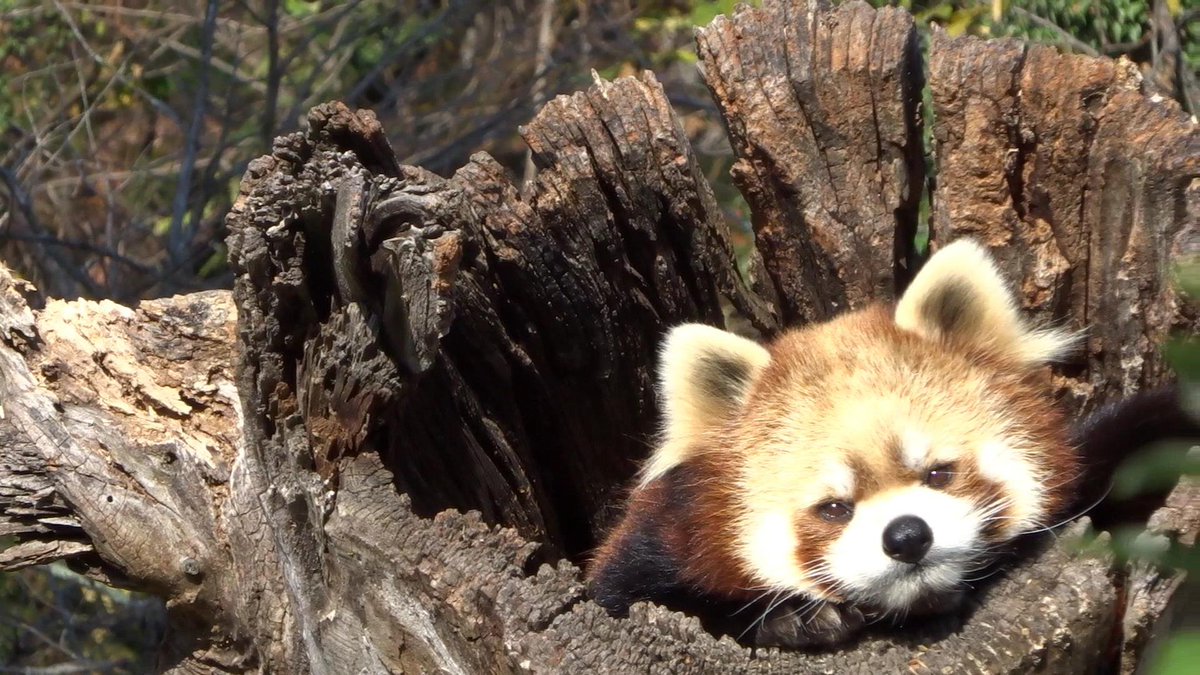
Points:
(907, 539)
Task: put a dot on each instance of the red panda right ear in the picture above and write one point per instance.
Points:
(960, 295)
(704, 376)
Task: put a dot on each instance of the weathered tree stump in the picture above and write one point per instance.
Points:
(410, 347)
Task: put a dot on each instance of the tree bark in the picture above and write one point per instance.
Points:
(822, 111)
(409, 347)
(1086, 189)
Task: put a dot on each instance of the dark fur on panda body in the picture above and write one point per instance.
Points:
(650, 555)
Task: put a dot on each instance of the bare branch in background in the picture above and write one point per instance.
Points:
(17, 196)
(177, 236)
(274, 73)
(541, 60)
(48, 241)
(56, 645)
(136, 141)
(1074, 43)
(1168, 75)
(131, 147)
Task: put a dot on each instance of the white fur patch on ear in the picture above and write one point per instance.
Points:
(704, 376)
(959, 295)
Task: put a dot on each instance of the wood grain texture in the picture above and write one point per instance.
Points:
(1079, 184)
(822, 111)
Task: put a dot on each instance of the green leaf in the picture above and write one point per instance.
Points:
(369, 50)
(215, 264)
(1155, 468)
(161, 226)
(704, 12)
(1184, 356)
(647, 25)
(300, 8)
(1179, 655)
(1188, 276)
(611, 72)
(685, 55)
(962, 20)
(939, 12)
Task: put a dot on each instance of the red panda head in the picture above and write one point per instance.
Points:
(877, 458)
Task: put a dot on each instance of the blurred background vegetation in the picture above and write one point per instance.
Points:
(126, 126)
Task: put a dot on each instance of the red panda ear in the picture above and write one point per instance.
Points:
(960, 296)
(704, 376)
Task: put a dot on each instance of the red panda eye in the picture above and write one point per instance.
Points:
(836, 512)
(940, 476)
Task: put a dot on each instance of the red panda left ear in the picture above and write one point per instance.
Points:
(704, 376)
(960, 296)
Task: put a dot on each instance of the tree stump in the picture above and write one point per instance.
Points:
(437, 390)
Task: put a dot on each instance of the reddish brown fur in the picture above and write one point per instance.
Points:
(682, 510)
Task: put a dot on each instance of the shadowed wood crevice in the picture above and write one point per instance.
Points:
(410, 346)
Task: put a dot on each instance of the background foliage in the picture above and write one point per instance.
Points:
(126, 126)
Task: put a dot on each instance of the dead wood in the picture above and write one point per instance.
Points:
(1084, 186)
(409, 347)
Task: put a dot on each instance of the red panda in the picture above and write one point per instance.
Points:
(859, 468)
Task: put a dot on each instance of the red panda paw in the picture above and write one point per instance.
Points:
(801, 626)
